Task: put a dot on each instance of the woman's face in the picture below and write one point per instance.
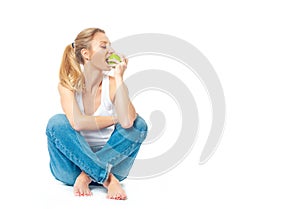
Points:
(100, 51)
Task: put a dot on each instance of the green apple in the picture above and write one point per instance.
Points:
(113, 57)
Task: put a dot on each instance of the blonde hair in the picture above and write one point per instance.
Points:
(70, 74)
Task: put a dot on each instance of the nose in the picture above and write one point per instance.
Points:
(110, 49)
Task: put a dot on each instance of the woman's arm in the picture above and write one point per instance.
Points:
(124, 108)
(78, 120)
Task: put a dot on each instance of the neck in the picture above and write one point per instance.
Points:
(93, 77)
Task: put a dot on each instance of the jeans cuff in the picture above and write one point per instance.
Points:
(107, 171)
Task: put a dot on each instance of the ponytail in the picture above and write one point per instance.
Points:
(70, 74)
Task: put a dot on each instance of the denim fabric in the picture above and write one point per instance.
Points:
(70, 153)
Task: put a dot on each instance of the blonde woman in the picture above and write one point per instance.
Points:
(99, 135)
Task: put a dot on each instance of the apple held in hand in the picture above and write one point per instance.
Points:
(114, 59)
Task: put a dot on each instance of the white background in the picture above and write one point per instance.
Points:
(254, 47)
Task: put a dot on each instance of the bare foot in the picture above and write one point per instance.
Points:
(81, 186)
(114, 189)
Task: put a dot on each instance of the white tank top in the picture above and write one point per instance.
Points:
(97, 139)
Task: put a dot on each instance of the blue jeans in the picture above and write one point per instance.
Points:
(70, 154)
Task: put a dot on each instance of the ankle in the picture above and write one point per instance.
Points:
(111, 180)
(84, 177)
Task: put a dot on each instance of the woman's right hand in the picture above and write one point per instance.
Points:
(121, 67)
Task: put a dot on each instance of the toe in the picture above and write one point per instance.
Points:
(124, 197)
(76, 192)
(88, 193)
(81, 192)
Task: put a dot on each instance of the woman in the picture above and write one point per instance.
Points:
(99, 136)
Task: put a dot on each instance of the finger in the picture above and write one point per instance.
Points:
(123, 66)
(125, 60)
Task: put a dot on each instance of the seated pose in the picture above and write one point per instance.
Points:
(98, 137)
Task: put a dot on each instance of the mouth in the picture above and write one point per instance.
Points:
(107, 59)
(109, 62)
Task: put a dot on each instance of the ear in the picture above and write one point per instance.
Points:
(85, 54)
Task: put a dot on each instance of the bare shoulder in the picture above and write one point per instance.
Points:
(60, 87)
(63, 90)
